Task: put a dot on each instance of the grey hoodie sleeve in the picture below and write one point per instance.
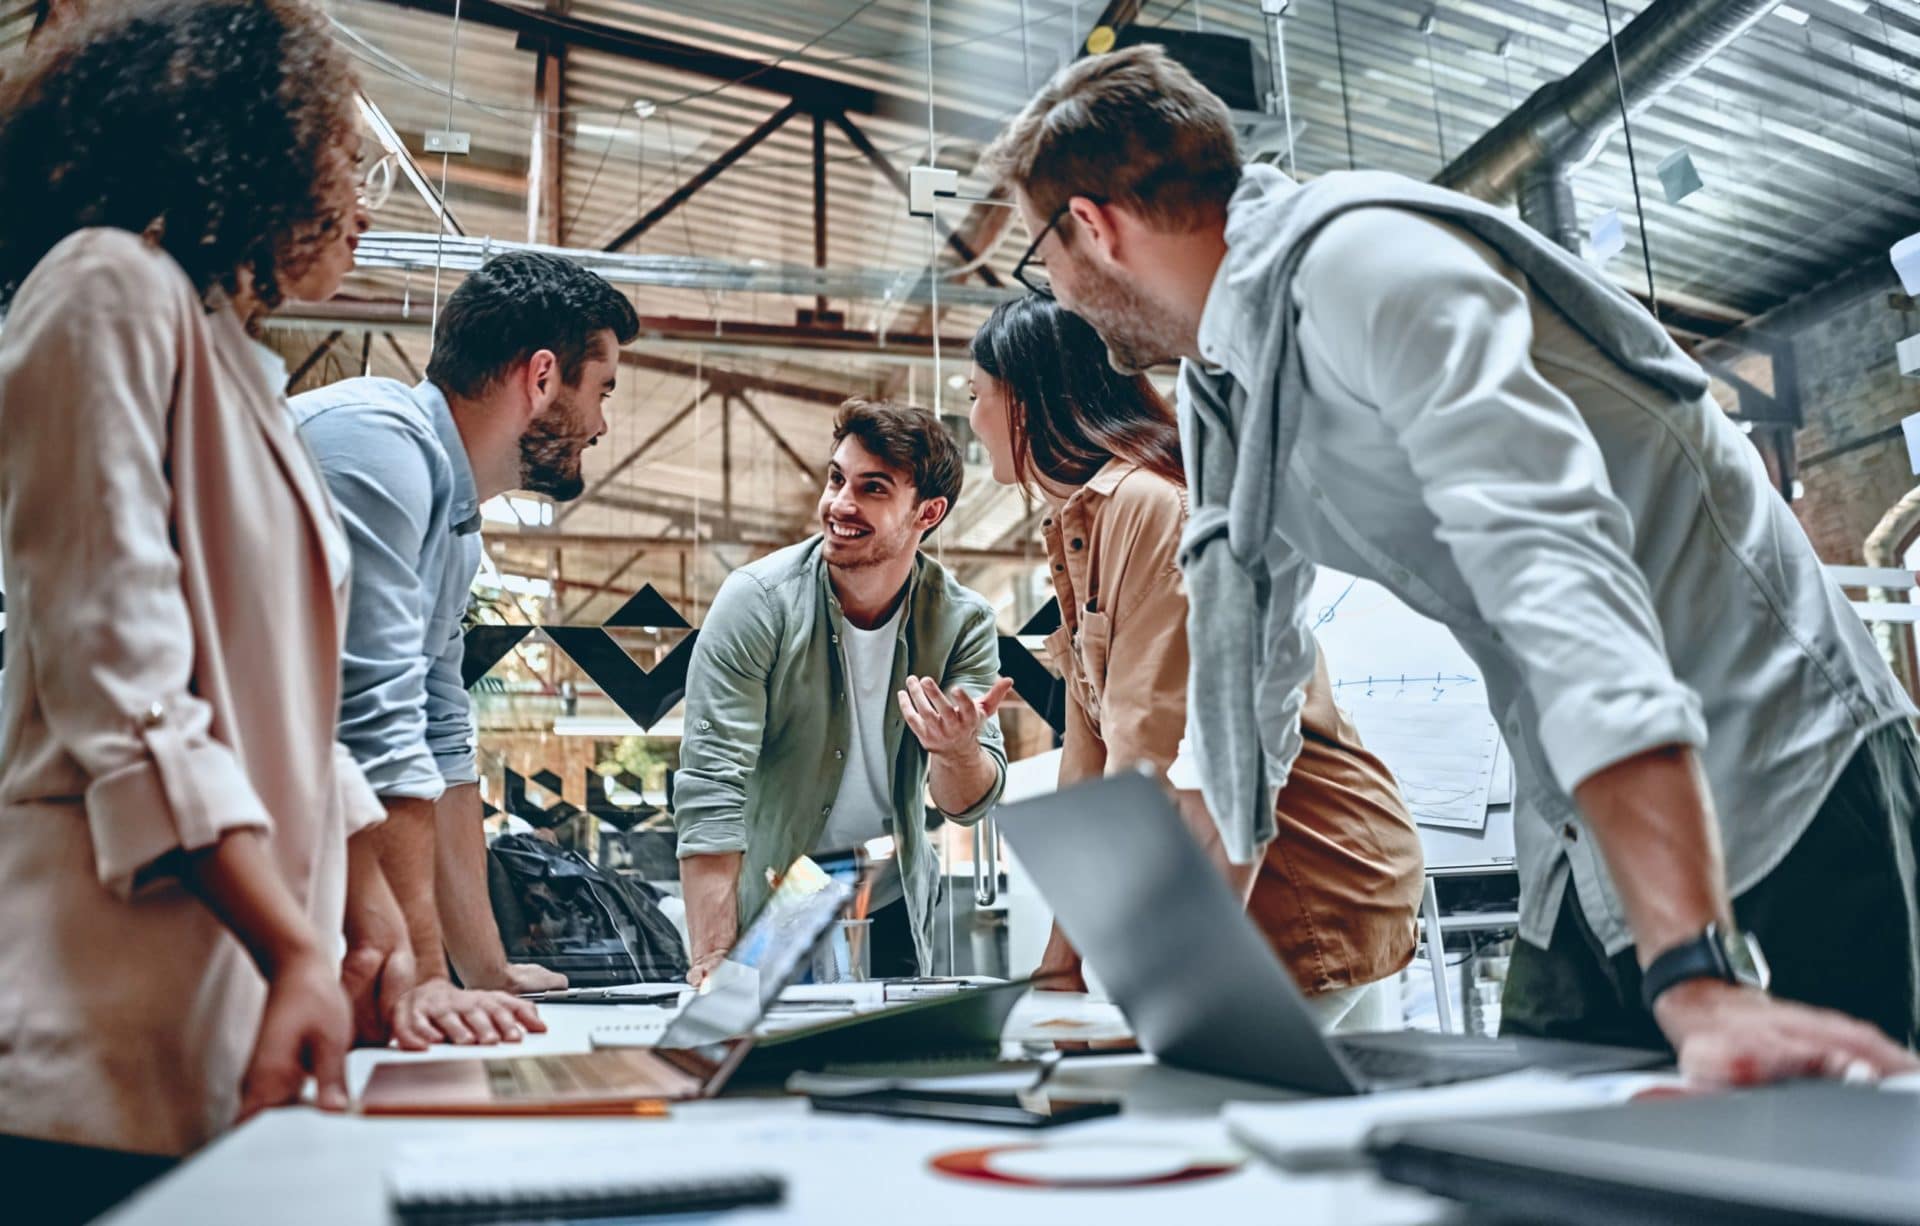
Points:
(1246, 632)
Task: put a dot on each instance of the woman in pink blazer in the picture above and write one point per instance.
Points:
(174, 811)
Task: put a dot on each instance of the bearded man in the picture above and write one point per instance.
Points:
(524, 357)
(836, 686)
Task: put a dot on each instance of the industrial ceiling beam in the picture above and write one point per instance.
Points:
(953, 555)
(745, 336)
(632, 457)
(899, 181)
(540, 29)
(707, 174)
(779, 440)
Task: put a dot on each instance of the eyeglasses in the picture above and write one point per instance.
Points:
(1032, 272)
(375, 177)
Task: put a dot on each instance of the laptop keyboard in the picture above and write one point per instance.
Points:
(550, 1077)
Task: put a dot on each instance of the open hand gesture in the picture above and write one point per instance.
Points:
(948, 722)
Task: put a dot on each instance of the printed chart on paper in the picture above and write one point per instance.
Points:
(1416, 697)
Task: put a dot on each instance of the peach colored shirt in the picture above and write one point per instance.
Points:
(172, 674)
(1339, 888)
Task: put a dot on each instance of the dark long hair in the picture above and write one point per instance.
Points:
(205, 125)
(1070, 411)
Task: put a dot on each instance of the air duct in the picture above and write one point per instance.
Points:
(1566, 123)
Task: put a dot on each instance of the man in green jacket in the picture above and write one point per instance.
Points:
(835, 685)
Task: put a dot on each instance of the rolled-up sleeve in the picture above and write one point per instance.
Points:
(87, 385)
(450, 735)
(726, 718)
(378, 471)
(976, 666)
(1515, 478)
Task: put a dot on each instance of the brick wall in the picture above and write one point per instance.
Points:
(1853, 459)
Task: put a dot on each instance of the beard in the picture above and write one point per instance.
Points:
(551, 450)
(1139, 333)
(874, 549)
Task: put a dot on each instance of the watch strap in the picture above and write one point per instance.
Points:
(1700, 958)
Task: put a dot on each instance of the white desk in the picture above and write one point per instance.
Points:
(297, 1166)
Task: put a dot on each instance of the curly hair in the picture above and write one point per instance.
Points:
(205, 125)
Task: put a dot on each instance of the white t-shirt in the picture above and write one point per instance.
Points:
(865, 801)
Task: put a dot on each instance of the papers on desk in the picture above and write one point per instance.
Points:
(1330, 1131)
(1443, 754)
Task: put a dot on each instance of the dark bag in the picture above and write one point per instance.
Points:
(558, 910)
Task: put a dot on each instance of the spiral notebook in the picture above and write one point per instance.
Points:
(476, 1185)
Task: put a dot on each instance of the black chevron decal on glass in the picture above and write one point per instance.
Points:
(648, 607)
(558, 813)
(1045, 622)
(646, 697)
(486, 646)
(1043, 691)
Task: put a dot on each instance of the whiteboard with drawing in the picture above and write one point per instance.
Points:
(1420, 704)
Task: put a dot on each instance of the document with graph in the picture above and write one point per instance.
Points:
(1416, 697)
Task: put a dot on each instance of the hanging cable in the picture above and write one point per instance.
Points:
(1346, 98)
(1277, 45)
(1633, 166)
(446, 158)
(1433, 83)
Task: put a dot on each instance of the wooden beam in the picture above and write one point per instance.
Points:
(779, 440)
(627, 461)
(406, 363)
(820, 204)
(547, 210)
(537, 29)
(887, 171)
(708, 174)
(734, 380)
(686, 544)
(313, 359)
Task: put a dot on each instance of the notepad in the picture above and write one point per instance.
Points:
(472, 1185)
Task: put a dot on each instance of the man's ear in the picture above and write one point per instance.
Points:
(930, 514)
(1099, 226)
(541, 380)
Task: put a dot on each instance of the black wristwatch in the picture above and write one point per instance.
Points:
(1720, 952)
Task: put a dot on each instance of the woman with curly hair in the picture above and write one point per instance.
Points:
(174, 811)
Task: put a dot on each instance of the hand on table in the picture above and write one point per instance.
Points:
(1739, 1036)
(524, 977)
(304, 1030)
(465, 1017)
(948, 722)
(376, 980)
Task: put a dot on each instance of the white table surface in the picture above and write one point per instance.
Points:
(298, 1166)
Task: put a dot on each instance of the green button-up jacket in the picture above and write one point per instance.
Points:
(767, 723)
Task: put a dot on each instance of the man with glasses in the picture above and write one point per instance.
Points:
(1406, 384)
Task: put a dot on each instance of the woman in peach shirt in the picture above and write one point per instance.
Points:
(1337, 891)
(174, 811)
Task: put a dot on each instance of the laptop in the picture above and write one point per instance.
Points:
(1805, 1152)
(1204, 991)
(693, 1056)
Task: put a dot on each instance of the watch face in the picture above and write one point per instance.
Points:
(1744, 959)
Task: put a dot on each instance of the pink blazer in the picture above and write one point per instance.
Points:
(172, 672)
